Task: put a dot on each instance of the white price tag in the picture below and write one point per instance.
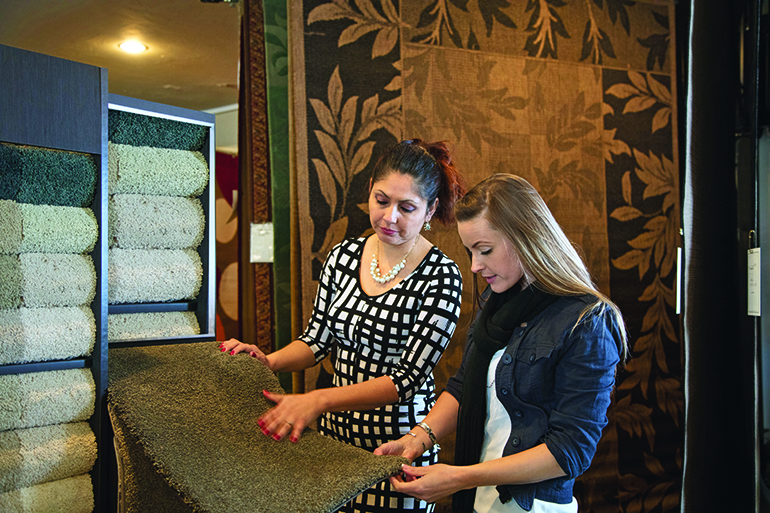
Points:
(754, 282)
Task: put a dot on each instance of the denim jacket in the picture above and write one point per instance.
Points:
(555, 380)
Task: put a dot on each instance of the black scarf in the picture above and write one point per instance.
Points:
(492, 332)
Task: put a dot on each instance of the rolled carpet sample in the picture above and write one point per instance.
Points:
(43, 280)
(71, 495)
(140, 221)
(151, 325)
(153, 275)
(34, 456)
(44, 334)
(156, 171)
(46, 228)
(188, 412)
(141, 130)
(42, 176)
(43, 398)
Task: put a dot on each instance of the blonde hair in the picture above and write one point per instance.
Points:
(549, 259)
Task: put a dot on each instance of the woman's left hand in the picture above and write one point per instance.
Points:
(428, 483)
(290, 416)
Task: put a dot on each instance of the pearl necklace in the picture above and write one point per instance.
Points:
(374, 269)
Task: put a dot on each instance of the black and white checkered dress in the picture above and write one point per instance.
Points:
(401, 333)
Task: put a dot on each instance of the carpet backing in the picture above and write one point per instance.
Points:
(140, 130)
(155, 222)
(71, 495)
(156, 171)
(152, 325)
(45, 398)
(43, 176)
(46, 229)
(43, 334)
(153, 275)
(33, 456)
(189, 411)
(42, 280)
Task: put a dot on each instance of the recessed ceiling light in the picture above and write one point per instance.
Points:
(132, 47)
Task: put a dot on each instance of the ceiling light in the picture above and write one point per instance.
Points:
(132, 47)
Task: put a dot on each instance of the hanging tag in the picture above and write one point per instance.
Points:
(754, 282)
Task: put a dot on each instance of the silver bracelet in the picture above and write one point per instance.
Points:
(432, 437)
(424, 449)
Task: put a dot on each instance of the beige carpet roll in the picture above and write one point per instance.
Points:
(44, 398)
(156, 171)
(71, 495)
(46, 229)
(155, 222)
(154, 275)
(151, 325)
(42, 334)
(51, 279)
(34, 456)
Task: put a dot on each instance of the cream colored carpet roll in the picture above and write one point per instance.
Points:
(151, 325)
(155, 275)
(155, 222)
(34, 456)
(156, 171)
(42, 334)
(71, 495)
(10, 227)
(50, 229)
(44, 398)
(51, 279)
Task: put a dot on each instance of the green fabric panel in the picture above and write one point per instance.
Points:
(47, 177)
(140, 130)
(276, 52)
(193, 411)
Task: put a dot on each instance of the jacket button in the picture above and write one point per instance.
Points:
(518, 413)
(515, 441)
(532, 358)
(507, 358)
(504, 391)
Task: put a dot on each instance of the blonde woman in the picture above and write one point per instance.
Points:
(530, 399)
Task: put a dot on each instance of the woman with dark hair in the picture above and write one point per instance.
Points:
(529, 401)
(388, 305)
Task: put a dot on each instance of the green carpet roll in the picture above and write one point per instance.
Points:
(155, 222)
(46, 229)
(43, 176)
(152, 325)
(44, 398)
(10, 281)
(140, 130)
(156, 171)
(153, 275)
(44, 334)
(39, 455)
(49, 279)
(190, 411)
(71, 495)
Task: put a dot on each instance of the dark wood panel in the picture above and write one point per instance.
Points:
(49, 102)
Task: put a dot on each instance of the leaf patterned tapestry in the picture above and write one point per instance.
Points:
(578, 97)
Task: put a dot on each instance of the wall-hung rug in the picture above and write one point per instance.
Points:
(187, 438)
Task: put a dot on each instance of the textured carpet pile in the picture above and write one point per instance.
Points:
(71, 495)
(153, 275)
(45, 398)
(156, 171)
(46, 177)
(152, 325)
(43, 334)
(155, 222)
(187, 440)
(140, 130)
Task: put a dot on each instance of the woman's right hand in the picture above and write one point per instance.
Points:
(408, 446)
(234, 347)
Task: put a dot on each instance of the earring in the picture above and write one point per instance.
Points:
(426, 226)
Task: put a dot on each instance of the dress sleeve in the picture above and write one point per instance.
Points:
(585, 379)
(317, 336)
(435, 323)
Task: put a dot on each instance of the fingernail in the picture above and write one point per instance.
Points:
(253, 354)
(261, 423)
(293, 439)
(232, 352)
(277, 437)
(223, 349)
(265, 432)
(265, 392)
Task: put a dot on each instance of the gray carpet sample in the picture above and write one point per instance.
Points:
(185, 415)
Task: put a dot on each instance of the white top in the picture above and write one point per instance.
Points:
(497, 430)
